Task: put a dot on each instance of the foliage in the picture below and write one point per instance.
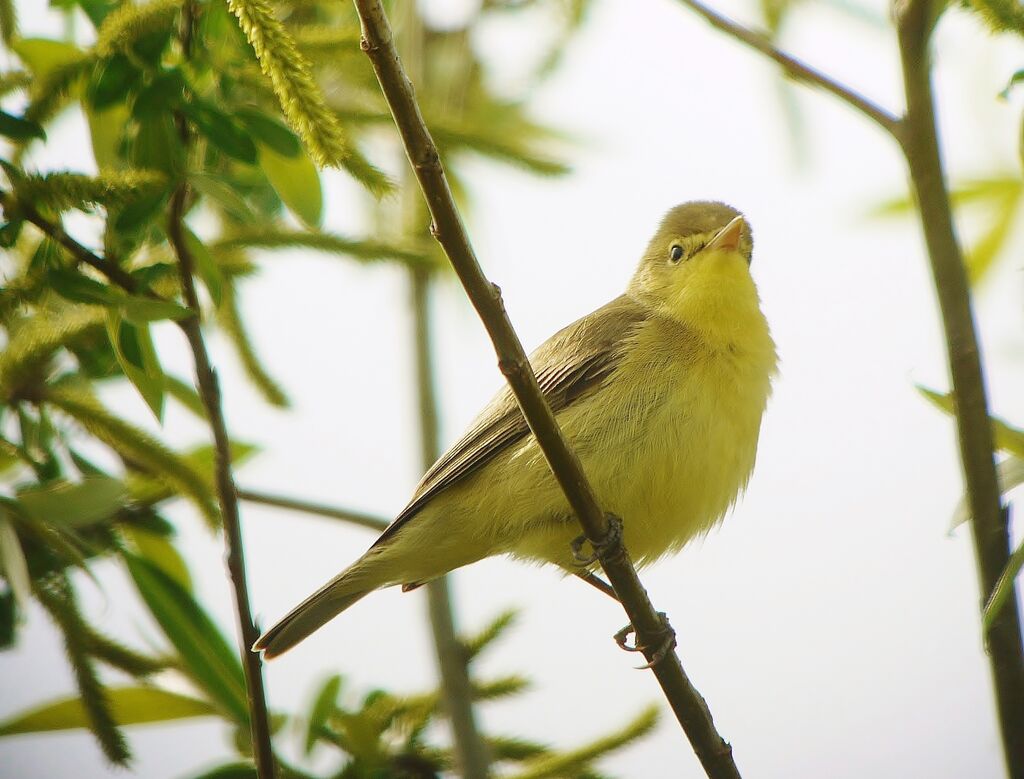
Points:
(228, 109)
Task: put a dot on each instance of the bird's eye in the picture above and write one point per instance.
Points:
(675, 254)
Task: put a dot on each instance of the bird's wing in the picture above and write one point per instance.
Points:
(570, 365)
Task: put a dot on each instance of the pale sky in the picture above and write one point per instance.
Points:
(831, 622)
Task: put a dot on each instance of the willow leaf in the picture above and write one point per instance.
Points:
(1004, 587)
(566, 763)
(136, 446)
(230, 320)
(1008, 438)
(366, 250)
(130, 706)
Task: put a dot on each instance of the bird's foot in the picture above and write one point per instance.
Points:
(611, 540)
(665, 638)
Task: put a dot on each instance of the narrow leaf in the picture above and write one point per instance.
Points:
(205, 653)
(74, 505)
(130, 706)
(12, 562)
(297, 182)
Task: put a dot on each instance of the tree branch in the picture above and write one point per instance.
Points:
(209, 392)
(990, 525)
(797, 69)
(687, 704)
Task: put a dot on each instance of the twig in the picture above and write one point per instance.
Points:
(990, 525)
(309, 507)
(687, 704)
(209, 391)
(796, 68)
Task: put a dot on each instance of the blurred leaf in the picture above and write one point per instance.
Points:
(324, 705)
(130, 706)
(206, 267)
(219, 190)
(1007, 437)
(156, 146)
(205, 653)
(12, 562)
(91, 500)
(42, 56)
(562, 764)
(19, 129)
(164, 93)
(136, 354)
(111, 82)
(476, 644)
(223, 132)
(141, 310)
(1009, 474)
(1005, 585)
(185, 394)
(276, 238)
(161, 552)
(136, 446)
(230, 771)
(297, 181)
(230, 320)
(270, 133)
(73, 286)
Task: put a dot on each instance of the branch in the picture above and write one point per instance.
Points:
(209, 391)
(797, 69)
(990, 525)
(308, 507)
(687, 704)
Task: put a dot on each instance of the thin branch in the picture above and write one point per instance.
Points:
(796, 68)
(14, 207)
(209, 392)
(687, 704)
(990, 526)
(309, 507)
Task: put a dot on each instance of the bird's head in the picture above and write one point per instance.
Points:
(696, 269)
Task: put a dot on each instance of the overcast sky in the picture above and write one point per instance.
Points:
(831, 622)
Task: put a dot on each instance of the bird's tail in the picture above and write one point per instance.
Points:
(314, 612)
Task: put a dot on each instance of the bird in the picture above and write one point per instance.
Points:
(661, 394)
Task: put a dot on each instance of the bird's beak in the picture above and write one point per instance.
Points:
(728, 238)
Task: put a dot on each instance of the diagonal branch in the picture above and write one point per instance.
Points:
(687, 704)
(796, 68)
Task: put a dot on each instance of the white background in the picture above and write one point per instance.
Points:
(831, 623)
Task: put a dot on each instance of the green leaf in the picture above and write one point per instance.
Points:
(72, 285)
(297, 181)
(74, 505)
(19, 129)
(325, 703)
(129, 705)
(139, 212)
(133, 346)
(164, 93)
(161, 552)
(43, 56)
(230, 771)
(157, 146)
(142, 310)
(111, 82)
(1004, 589)
(218, 189)
(219, 129)
(205, 653)
(1008, 438)
(269, 132)
(13, 564)
(206, 267)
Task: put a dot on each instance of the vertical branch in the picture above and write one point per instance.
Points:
(453, 662)
(990, 521)
(687, 704)
(209, 391)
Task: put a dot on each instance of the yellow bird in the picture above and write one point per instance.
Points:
(660, 393)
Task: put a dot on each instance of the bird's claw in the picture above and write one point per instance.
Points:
(610, 541)
(666, 644)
